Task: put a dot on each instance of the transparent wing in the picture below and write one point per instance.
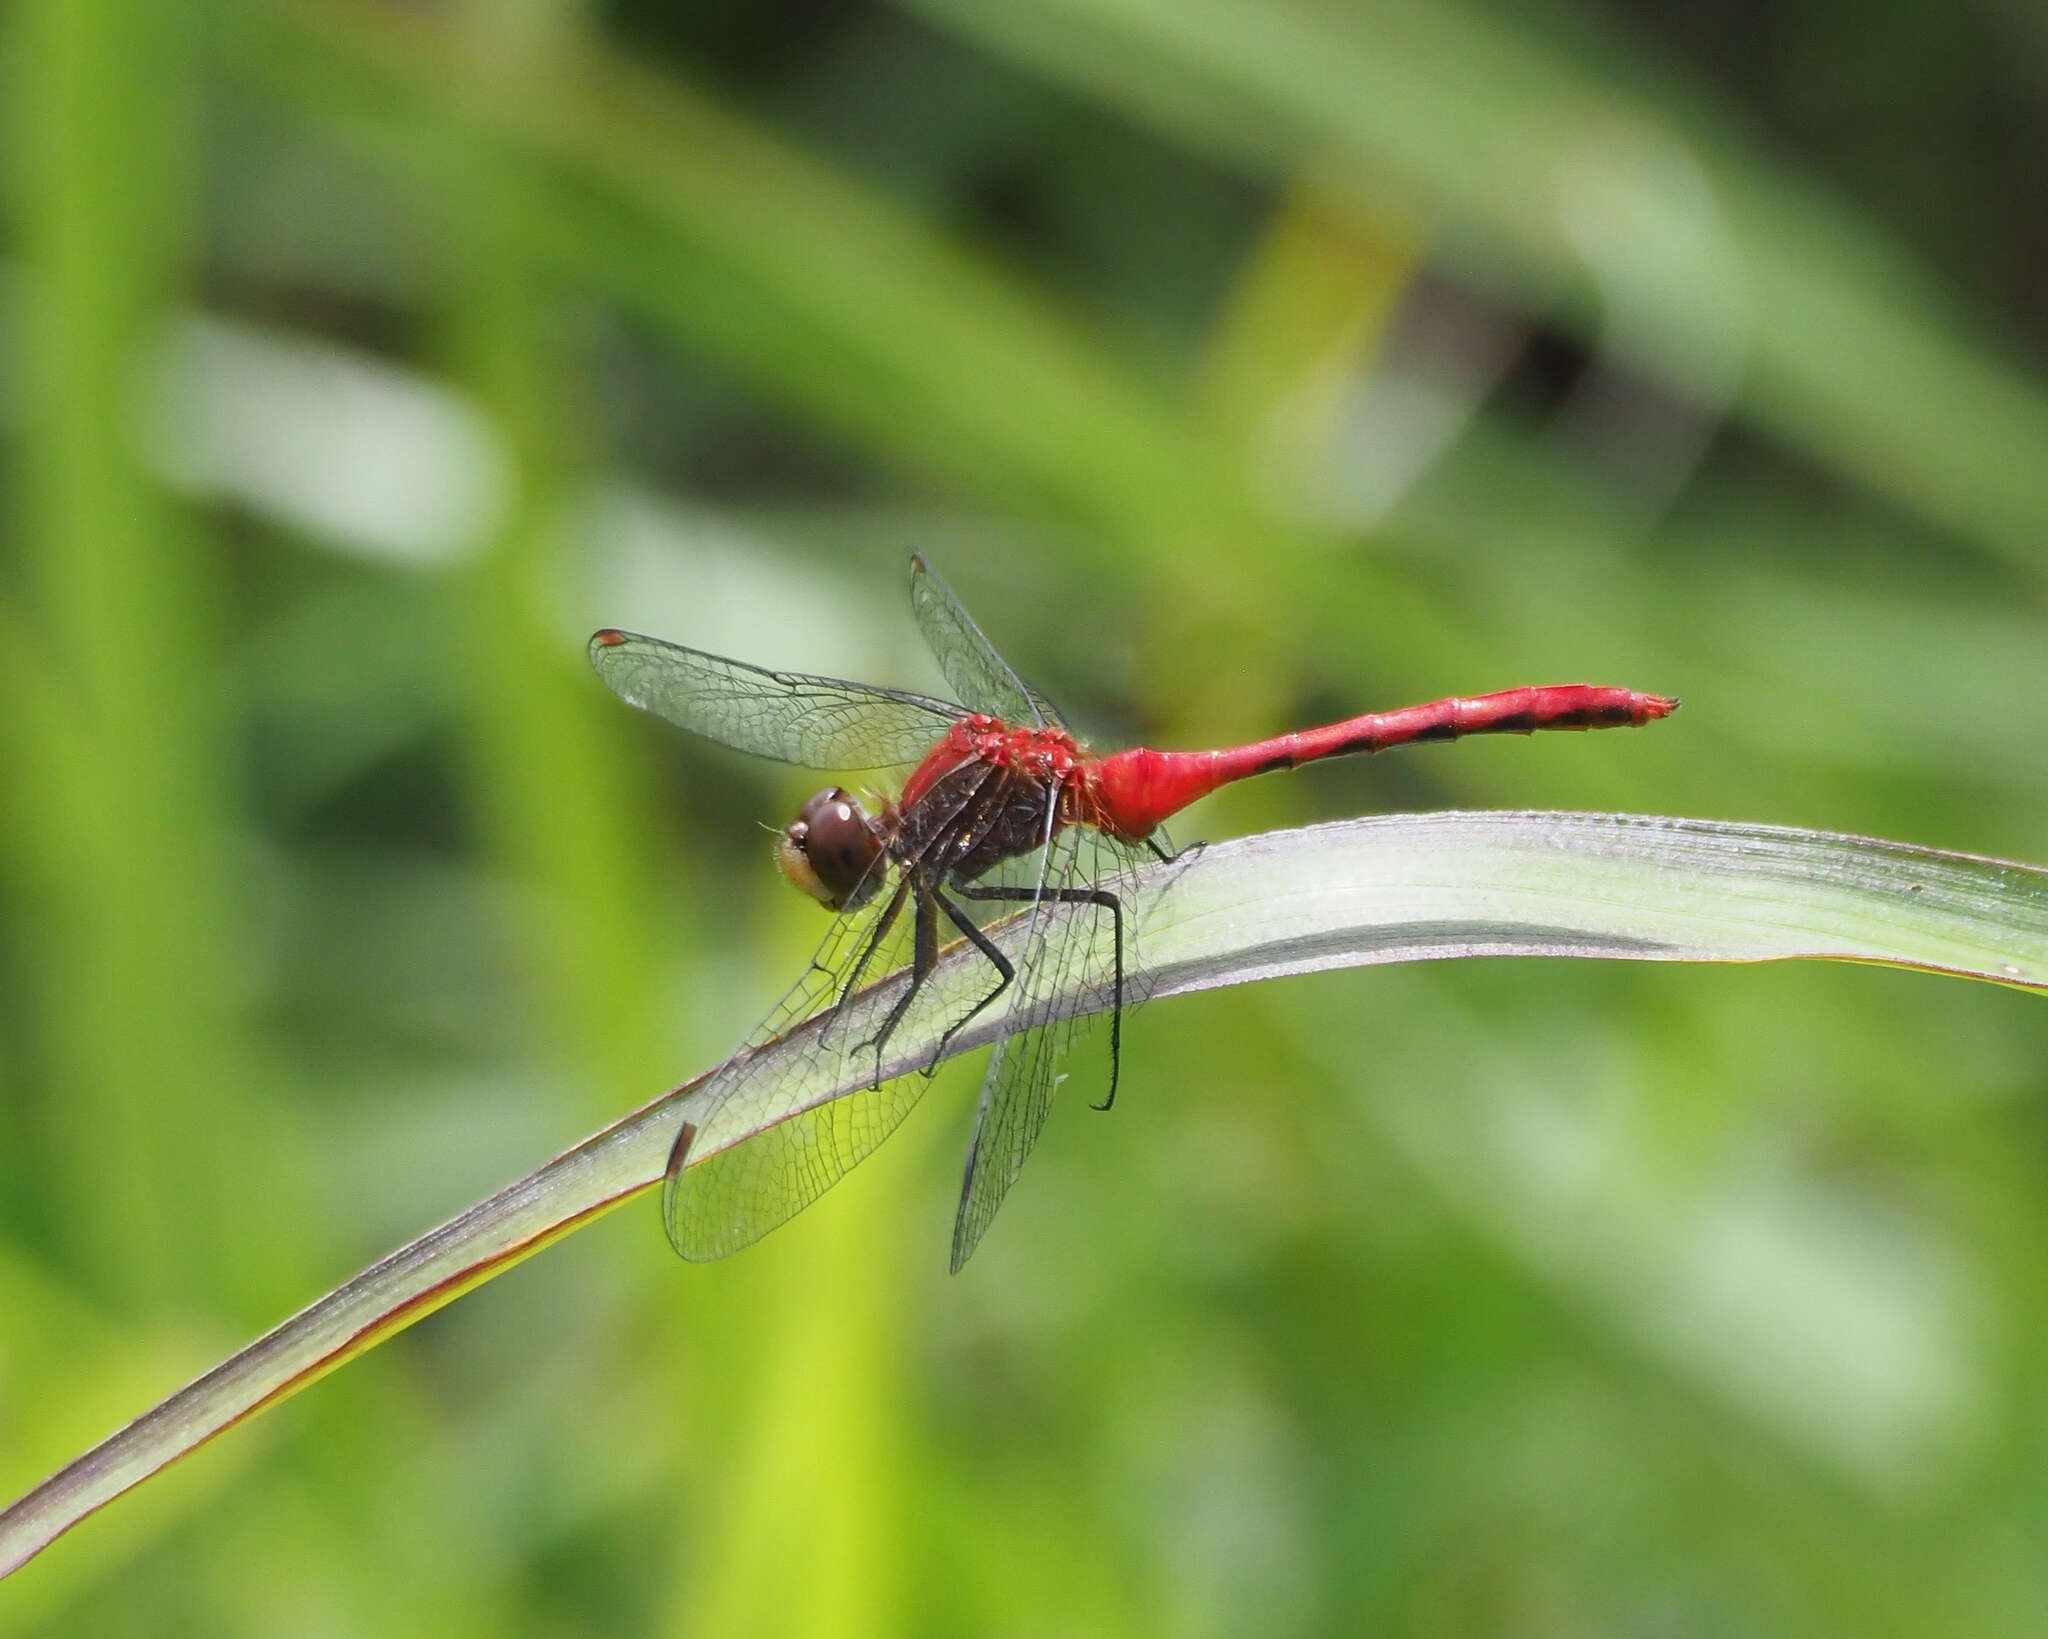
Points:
(968, 660)
(765, 1153)
(1067, 968)
(820, 722)
(734, 1195)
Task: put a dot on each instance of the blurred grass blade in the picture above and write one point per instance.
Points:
(126, 835)
(1398, 888)
(808, 285)
(1548, 173)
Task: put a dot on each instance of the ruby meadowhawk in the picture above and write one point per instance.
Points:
(1004, 813)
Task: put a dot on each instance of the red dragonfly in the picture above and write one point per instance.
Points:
(1004, 811)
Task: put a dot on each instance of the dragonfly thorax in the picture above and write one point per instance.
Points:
(1051, 755)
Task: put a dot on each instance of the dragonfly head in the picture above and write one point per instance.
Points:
(829, 850)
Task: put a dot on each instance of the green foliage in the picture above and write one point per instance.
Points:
(1477, 1297)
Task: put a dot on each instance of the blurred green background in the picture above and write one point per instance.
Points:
(1241, 363)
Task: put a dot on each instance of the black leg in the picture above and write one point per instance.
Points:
(886, 921)
(923, 953)
(987, 946)
(920, 879)
(1167, 854)
(1105, 900)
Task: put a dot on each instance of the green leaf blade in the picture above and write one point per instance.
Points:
(1411, 887)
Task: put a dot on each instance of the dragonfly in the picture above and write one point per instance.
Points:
(1004, 813)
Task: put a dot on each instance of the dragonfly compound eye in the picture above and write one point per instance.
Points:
(829, 850)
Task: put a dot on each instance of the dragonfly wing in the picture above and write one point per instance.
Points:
(1067, 968)
(1015, 1100)
(970, 662)
(760, 1155)
(820, 722)
(731, 1199)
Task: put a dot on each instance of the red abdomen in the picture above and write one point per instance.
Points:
(1131, 793)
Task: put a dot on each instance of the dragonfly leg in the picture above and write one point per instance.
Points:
(1103, 899)
(987, 946)
(924, 952)
(883, 924)
(1167, 854)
